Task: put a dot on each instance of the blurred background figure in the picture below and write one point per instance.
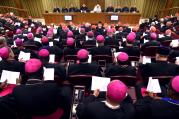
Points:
(97, 9)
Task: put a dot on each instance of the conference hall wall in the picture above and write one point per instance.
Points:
(147, 8)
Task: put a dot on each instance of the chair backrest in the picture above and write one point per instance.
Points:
(56, 115)
(83, 80)
(128, 80)
(58, 79)
(134, 58)
(70, 58)
(149, 51)
(174, 36)
(31, 47)
(163, 79)
(166, 43)
(112, 46)
(102, 60)
(88, 46)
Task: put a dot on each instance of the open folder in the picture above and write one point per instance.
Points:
(48, 74)
(153, 86)
(24, 56)
(100, 83)
(10, 76)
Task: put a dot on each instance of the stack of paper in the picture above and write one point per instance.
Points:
(10, 76)
(146, 59)
(24, 56)
(48, 74)
(52, 58)
(153, 86)
(100, 83)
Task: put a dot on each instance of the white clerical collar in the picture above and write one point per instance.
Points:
(111, 106)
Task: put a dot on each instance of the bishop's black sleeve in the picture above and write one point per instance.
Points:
(142, 107)
(82, 106)
(8, 107)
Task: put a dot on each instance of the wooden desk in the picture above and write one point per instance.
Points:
(94, 18)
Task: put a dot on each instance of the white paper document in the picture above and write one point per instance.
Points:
(161, 35)
(133, 63)
(24, 56)
(99, 83)
(55, 31)
(14, 43)
(177, 58)
(37, 39)
(153, 86)
(86, 37)
(144, 34)
(124, 39)
(145, 41)
(29, 29)
(96, 44)
(115, 55)
(89, 58)
(146, 59)
(24, 34)
(51, 44)
(48, 74)
(56, 39)
(174, 43)
(52, 59)
(10, 76)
